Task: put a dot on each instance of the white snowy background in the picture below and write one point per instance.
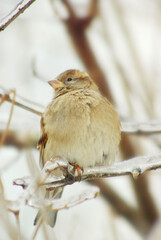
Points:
(38, 40)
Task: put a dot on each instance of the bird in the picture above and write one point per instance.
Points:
(79, 125)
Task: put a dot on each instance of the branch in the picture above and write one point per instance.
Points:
(141, 128)
(6, 97)
(59, 204)
(77, 30)
(31, 199)
(77, 27)
(12, 137)
(134, 166)
(4, 134)
(30, 195)
(19, 8)
(132, 214)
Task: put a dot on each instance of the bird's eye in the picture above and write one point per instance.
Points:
(69, 79)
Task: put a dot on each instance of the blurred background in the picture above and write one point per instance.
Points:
(118, 43)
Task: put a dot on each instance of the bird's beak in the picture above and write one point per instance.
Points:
(56, 84)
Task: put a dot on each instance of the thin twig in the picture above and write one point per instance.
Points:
(22, 106)
(37, 228)
(20, 8)
(18, 96)
(9, 119)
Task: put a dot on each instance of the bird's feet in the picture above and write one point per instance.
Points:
(77, 168)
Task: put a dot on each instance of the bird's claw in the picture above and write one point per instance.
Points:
(77, 168)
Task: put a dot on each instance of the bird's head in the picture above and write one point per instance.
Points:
(72, 80)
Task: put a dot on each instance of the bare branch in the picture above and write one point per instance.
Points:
(19, 8)
(4, 135)
(24, 106)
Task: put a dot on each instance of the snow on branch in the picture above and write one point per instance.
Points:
(33, 201)
(31, 197)
(141, 127)
(134, 166)
(58, 204)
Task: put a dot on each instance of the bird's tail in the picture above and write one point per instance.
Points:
(49, 216)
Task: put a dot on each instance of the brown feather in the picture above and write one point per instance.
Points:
(42, 143)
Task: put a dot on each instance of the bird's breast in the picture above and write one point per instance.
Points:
(81, 129)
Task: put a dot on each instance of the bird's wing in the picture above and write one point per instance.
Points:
(42, 143)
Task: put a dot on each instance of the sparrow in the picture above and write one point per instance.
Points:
(79, 125)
